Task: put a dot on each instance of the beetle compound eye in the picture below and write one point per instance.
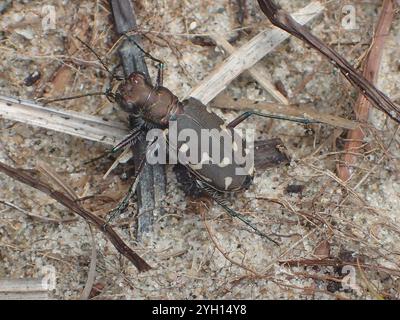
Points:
(125, 105)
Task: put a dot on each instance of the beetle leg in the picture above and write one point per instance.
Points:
(160, 63)
(129, 139)
(234, 214)
(242, 218)
(160, 75)
(132, 189)
(97, 56)
(247, 114)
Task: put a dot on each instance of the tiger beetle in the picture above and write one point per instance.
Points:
(154, 106)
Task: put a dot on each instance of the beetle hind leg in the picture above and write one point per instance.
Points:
(234, 214)
(248, 114)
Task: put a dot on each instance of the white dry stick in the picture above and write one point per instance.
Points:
(258, 72)
(69, 122)
(23, 289)
(248, 55)
(124, 157)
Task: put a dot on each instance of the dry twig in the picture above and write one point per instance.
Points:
(283, 20)
(71, 204)
(35, 216)
(371, 71)
(152, 184)
(257, 72)
(248, 55)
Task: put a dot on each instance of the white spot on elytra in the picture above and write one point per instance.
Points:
(228, 182)
(225, 162)
(193, 25)
(198, 166)
(205, 157)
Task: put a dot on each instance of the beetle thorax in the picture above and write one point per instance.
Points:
(154, 104)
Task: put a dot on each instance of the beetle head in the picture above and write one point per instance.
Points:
(155, 104)
(133, 93)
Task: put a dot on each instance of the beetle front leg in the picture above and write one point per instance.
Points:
(132, 190)
(130, 139)
(247, 114)
(160, 64)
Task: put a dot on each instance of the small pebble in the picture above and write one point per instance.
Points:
(193, 25)
(32, 78)
(26, 33)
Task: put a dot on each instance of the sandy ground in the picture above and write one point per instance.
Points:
(191, 258)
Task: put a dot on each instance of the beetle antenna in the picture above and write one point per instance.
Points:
(160, 63)
(148, 55)
(107, 94)
(98, 58)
